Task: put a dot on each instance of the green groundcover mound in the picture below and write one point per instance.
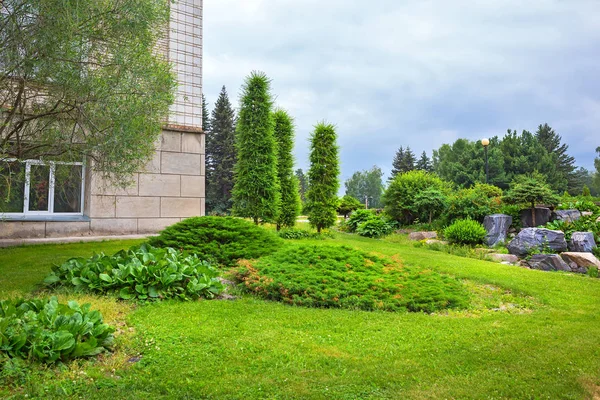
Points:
(342, 277)
(221, 239)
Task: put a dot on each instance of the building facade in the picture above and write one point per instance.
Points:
(171, 187)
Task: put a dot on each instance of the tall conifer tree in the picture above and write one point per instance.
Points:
(290, 197)
(323, 177)
(302, 184)
(256, 192)
(424, 163)
(397, 163)
(220, 156)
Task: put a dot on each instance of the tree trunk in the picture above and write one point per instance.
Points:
(255, 221)
(533, 215)
(430, 215)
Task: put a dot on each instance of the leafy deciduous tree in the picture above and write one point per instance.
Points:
(256, 192)
(83, 80)
(349, 204)
(366, 186)
(290, 198)
(323, 177)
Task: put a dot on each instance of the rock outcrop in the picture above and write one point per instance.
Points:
(548, 262)
(566, 215)
(537, 239)
(542, 217)
(582, 242)
(422, 235)
(497, 226)
(580, 262)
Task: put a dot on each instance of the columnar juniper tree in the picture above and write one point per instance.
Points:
(323, 177)
(220, 156)
(290, 198)
(256, 192)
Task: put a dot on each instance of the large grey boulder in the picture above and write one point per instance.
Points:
(422, 235)
(542, 217)
(548, 262)
(496, 226)
(537, 238)
(566, 215)
(582, 242)
(580, 262)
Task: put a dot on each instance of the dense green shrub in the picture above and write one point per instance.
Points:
(348, 204)
(374, 227)
(399, 198)
(358, 217)
(584, 224)
(473, 203)
(295, 233)
(47, 331)
(221, 239)
(342, 277)
(144, 273)
(465, 231)
(578, 203)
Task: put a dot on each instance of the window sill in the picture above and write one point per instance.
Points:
(44, 218)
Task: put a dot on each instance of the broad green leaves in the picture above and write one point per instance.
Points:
(144, 273)
(48, 331)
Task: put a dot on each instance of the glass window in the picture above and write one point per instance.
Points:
(67, 188)
(34, 187)
(39, 187)
(12, 187)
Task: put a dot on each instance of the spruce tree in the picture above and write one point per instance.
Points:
(408, 163)
(290, 197)
(424, 163)
(564, 163)
(220, 156)
(323, 177)
(256, 192)
(397, 163)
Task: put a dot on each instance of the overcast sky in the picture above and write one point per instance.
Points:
(415, 73)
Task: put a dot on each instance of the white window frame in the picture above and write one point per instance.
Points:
(52, 181)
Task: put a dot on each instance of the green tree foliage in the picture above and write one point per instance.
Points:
(205, 116)
(323, 177)
(404, 161)
(302, 184)
(424, 163)
(529, 190)
(290, 197)
(564, 164)
(463, 162)
(366, 186)
(473, 203)
(399, 198)
(83, 80)
(431, 202)
(348, 204)
(220, 156)
(256, 192)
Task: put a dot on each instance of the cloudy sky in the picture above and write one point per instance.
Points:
(415, 73)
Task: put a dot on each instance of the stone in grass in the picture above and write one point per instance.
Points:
(496, 226)
(582, 242)
(435, 241)
(580, 262)
(505, 258)
(422, 235)
(536, 239)
(548, 262)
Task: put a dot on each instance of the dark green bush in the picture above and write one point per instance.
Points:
(401, 196)
(295, 233)
(47, 331)
(358, 217)
(465, 231)
(342, 277)
(374, 227)
(221, 239)
(473, 203)
(143, 273)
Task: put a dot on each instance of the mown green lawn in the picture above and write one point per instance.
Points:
(250, 348)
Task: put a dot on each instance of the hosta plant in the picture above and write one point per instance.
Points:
(48, 331)
(144, 273)
(374, 227)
